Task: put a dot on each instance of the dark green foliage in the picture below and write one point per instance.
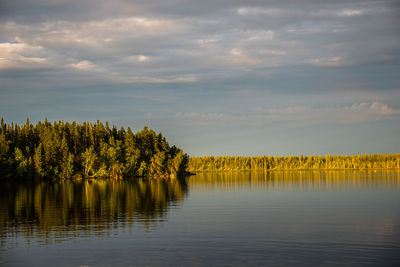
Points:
(64, 150)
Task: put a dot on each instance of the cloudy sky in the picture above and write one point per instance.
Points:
(215, 77)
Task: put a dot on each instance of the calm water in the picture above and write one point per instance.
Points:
(279, 218)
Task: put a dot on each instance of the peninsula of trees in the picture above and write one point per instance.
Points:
(72, 150)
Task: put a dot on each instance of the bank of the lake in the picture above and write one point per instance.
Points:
(282, 163)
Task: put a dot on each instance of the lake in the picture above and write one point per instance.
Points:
(296, 218)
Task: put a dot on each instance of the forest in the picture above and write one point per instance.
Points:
(266, 163)
(72, 150)
(93, 150)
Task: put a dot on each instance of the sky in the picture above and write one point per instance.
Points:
(272, 77)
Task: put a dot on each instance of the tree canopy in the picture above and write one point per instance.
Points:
(65, 150)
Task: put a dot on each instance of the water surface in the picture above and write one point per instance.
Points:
(246, 218)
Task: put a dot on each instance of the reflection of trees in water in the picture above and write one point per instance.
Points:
(63, 209)
(71, 208)
(296, 180)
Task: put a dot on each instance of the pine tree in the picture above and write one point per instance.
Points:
(66, 159)
(38, 161)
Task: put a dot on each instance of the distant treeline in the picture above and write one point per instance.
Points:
(66, 150)
(265, 163)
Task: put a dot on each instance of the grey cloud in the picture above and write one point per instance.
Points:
(267, 39)
(206, 48)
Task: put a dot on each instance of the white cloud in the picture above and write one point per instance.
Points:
(272, 52)
(123, 79)
(138, 59)
(130, 24)
(375, 108)
(21, 56)
(142, 58)
(156, 98)
(239, 57)
(289, 110)
(207, 42)
(350, 12)
(84, 65)
(327, 62)
(260, 35)
(103, 34)
(248, 11)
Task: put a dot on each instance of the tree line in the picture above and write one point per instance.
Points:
(265, 163)
(82, 150)
(94, 150)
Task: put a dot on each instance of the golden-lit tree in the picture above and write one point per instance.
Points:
(266, 163)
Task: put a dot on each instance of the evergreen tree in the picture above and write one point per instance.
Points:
(38, 161)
